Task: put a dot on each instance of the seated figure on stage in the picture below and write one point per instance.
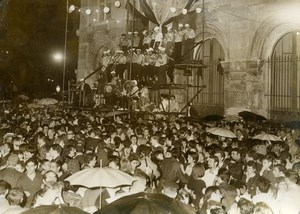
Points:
(188, 43)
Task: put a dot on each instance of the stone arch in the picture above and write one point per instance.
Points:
(267, 35)
(217, 32)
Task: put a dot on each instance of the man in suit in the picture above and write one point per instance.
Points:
(10, 174)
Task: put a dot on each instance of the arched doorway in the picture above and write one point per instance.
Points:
(284, 78)
(211, 99)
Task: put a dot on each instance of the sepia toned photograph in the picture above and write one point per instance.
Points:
(149, 106)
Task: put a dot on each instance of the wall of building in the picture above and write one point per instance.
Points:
(246, 29)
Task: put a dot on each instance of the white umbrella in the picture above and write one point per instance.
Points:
(265, 136)
(47, 101)
(223, 132)
(101, 177)
(34, 105)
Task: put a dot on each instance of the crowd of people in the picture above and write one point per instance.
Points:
(42, 147)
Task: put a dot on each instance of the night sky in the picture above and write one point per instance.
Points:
(31, 31)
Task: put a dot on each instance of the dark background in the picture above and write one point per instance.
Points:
(31, 31)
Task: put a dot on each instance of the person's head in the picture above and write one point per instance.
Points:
(12, 160)
(212, 193)
(114, 162)
(251, 167)
(291, 176)
(192, 157)
(140, 183)
(262, 208)
(90, 159)
(223, 176)
(15, 197)
(267, 161)
(55, 166)
(134, 161)
(262, 185)
(198, 170)
(170, 189)
(245, 206)
(278, 170)
(236, 154)
(50, 177)
(31, 165)
(55, 150)
(212, 162)
(45, 165)
(4, 187)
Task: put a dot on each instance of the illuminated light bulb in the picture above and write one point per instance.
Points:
(198, 10)
(173, 9)
(106, 9)
(107, 21)
(117, 3)
(118, 21)
(184, 11)
(79, 10)
(97, 10)
(94, 20)
(88, 11)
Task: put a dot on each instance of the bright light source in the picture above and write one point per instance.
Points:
(71, 8)
(106, 9)
(118, 21)
(184, 11)
(198, 10)
(298, 33)
(107, 21)
(58, 57)
(88, 11)
(94, 20)
(97, 10)
(173, 9)
(117, 3)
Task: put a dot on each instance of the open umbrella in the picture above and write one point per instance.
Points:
(100, 177)
(265, 136)
(115, 113)
(251, 117)
(212, 118)
(223, 132)
(54, 209)
(47, 101)
(147, 203)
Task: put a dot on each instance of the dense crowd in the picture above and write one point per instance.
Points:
(41, 147)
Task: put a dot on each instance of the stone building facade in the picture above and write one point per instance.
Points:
(247, 32)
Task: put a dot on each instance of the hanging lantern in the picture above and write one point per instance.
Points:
(173, 9)
(106, 9)
(88, 11)
(117, 3)
(198, 10)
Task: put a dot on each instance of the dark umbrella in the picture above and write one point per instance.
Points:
(147, 203)
(292, 124)
(212, 118)
(54, 209)
(251, 117)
